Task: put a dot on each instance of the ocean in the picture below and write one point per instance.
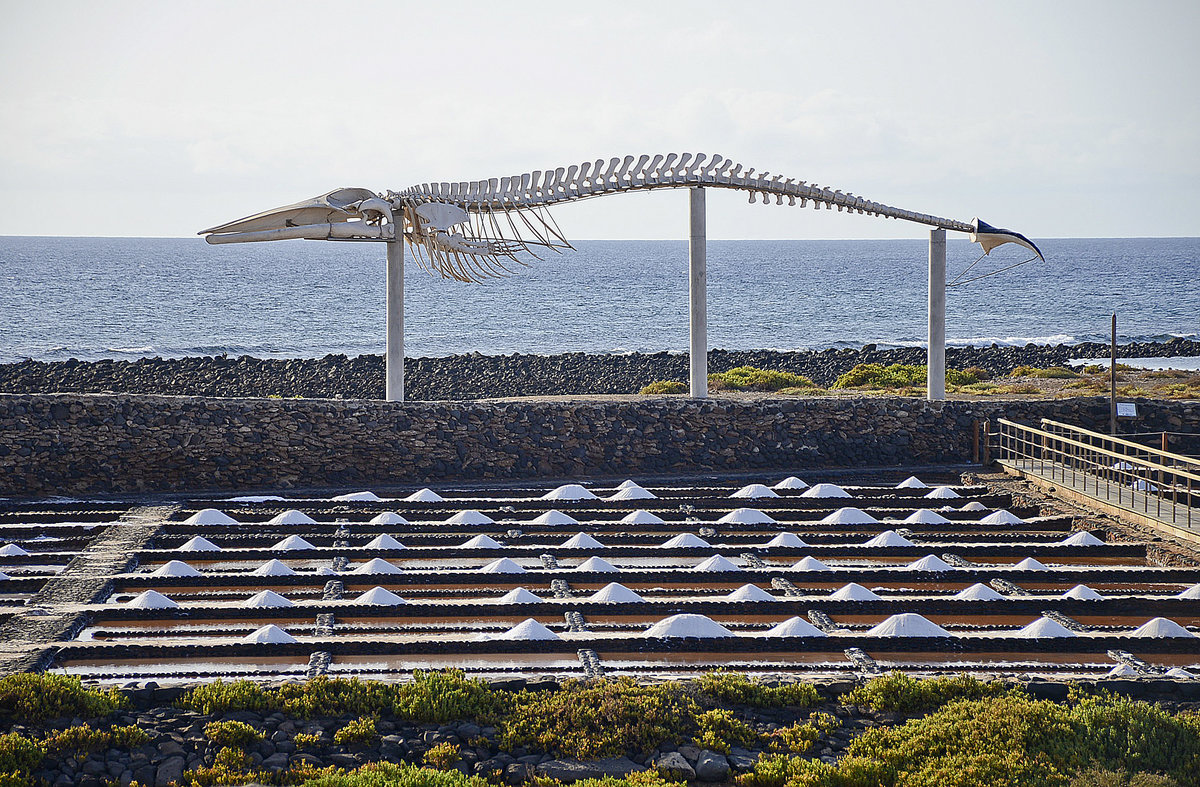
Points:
(123, 298)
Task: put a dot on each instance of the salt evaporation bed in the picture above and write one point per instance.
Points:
(1082, 592)
(907, 624)
(570, 492)
(1122, 671)
(633, 493)
(199, 544)
(811, 564)
(257, 499)
(912, 482)
(750, 592)
(786, 540)
(849, 516)
(12, 550)
(717, 563)
(1160, 627)
(272, 568)
(1041, 628)
(754, 491)
(582, 541)
(1081, 539)
(825, 490)
(615, 593)
(528, 629)
(210, 516)
(791, 482)
(1192, 592)
(596, 564)
(923, 516)
(380, 597)
(502, 566)
(388, 518)
(481, 541)
(974, 505)
(292, 517)
(942, 493)
(470, 517)
(978, 592)
(853, 592)
(554, 518)
(686, 541)
(519, 596)
(888, 538)
(377, 565)
(267, 598)
(291, 544)
(929, 563)
(358, 497)
(1002, 517)
(270, 635)
(175, 568)
(641, 517)
(685, 626)
(384, 542)
(151, 599)
(1031, 564)
(425, 495)
(793, 627)
(746, 516)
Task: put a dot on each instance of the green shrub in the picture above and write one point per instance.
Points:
(221, 697)
(664, 387)
(795, 739)
(307, 740)
(980, 374)
(750, 378)
(719, 730)
(1102, 777)
(36, 697)
(1050, 373)
(361, 730)
(443, 755)
(1093, 368)
(737, 688)
(387, 774)
(19, 755)
(232, 733)
(81, 739)
(899, 692)
(964, 377)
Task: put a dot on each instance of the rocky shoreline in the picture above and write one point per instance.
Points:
(477, 376)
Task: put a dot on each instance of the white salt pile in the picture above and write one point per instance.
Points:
(1082, 592)
(151, 599)
(267, 598)
(974, 505)
(1179, 673)
(685, 540)
(825, 490)
(633, 493)
(12, 550)
(1122, 671)
(380, 597)
(1159, 628)
(717, 563)
(387, 518)
(746, 516)
(641, 517)
(1144, 486)
(175, 568)
(791, 482)
(683, 626)
(923, 516)
(912, 482)
(628, 483)
(554, 518)
(888, 538)
(811, 564)
(1002, 517)
(750, 592)
(528, 629)
(596, 564)
(849, 516)
(1031, 564)
(481, 541)
(519, 596)
(907, 624)
(291, 544)
(582, 541)
(1042, 628)
(1081, 539)
(569, 492)
(324, 571)
(502, 566)
(978, 592)
(425, 495)
(377, 565)
(199, 544)
(358, 497)
(272, 568)
(4, 576)
(942, 493)
(270, 635)
(210, 516)
(1121, 466)
(470, 517)
(255, 499)
(853, 592)
(786, 540)
(615, 593)
(754, 492)
(793, 627)
(292, 517)
(929, 563)
(1192, 592)
(384, 541)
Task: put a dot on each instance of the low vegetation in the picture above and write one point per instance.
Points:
(35, 697)
(1049, 373)
(899, 692)
(659, 387)
(751, 378)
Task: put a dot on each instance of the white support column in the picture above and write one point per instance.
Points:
(936, 387)
(698, 290)
(395, 317)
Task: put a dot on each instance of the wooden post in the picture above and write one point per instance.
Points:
(1165, 443)
(975, 442)
(986, 455)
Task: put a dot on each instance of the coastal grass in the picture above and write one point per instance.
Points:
(660, 387)
(899, 377)
(751, 378)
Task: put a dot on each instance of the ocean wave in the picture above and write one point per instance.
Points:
(143, 350)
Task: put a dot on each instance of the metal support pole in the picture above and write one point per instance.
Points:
(395, 317)
(698, 290)
(1112, 380)
(936, 364)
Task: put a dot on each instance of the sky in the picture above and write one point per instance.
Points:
(1059, 119)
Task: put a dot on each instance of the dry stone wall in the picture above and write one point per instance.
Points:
(72, 444)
